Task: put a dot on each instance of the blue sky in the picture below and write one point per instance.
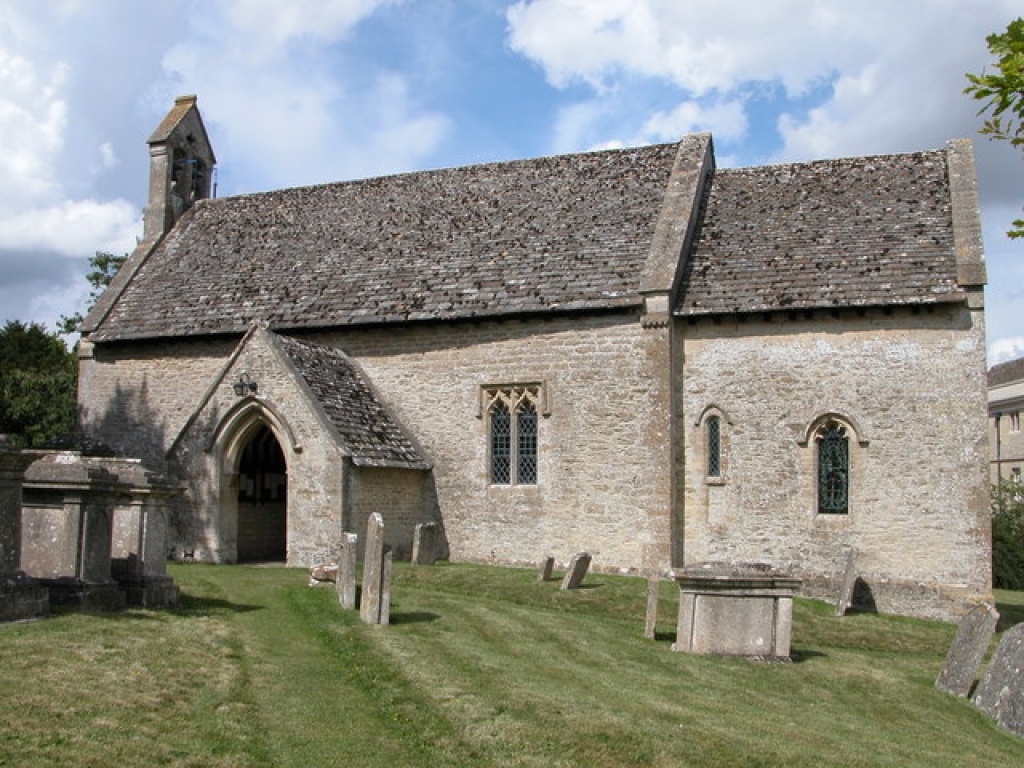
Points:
(324, 90)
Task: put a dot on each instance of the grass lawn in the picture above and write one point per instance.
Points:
(481, 666)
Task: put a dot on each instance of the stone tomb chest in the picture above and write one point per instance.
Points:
(735, 610)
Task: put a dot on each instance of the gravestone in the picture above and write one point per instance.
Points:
(139, 540)
(577, 570)
(374, 604)
(345, 581)
(384, 614)
(847, 585)
(20, 596)
(735, 609)
(968, 650)
(546, 566)
(424, 544)
(67, 529)
(1000, 693)
(653, 591)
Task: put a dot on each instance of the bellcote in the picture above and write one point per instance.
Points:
(181, 163)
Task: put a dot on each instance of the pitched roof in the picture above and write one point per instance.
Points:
(1006, 373)
(863, 231)
(367, 431)
(555, 233)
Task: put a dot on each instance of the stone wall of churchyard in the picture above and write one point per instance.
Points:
(600, 480)
(137, 397)
(911, 386)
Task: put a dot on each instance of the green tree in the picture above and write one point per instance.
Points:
(37, 385)
(1003, 93)
(103, 268)
(1008, 535)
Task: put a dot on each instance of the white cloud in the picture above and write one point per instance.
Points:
(1005, 349)
(71, 226)
(890, 74)
(284, 113)
(268, 27)
(727, 120)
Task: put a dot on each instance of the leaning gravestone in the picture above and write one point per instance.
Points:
(653, 591)
(577, 570)
(1000, 693)
(424, 544)
(345, 581)
(846, 587)
(968, 650)
(546, 566)
(376, 592)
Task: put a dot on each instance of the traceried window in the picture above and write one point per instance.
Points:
(512, 427)
(713, 431)
(833, 447)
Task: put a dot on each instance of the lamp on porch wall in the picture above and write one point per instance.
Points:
(244, 385)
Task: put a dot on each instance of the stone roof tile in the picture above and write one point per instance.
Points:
(864, 231)
(367, 431)
(1006, 373)
(555, 233)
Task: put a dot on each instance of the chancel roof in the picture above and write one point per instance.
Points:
(367, 431)
(865, 231)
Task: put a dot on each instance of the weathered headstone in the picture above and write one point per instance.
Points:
(346, 578)
(1000, 693)
(384, 615)
(577, 570)
(968, 650)
(845, 597)
(139, 544)
(20, 596)
(653, 591)
(375, 602)
(424, 544)
(546, 566)
(67, 529)
(732, 609)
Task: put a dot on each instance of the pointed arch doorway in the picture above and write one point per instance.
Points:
(262, 498)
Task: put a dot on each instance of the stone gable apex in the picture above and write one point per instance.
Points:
(329, 383)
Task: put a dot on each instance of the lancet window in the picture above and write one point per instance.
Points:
(833, 448)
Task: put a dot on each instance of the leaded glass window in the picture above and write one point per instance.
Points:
(833, 470)
(501, 445)
(512, 413)
(714, 455)
(526, 420)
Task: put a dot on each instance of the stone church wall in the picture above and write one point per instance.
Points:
(402, 497)
(911, 384)
(135, 398)
(598, 488)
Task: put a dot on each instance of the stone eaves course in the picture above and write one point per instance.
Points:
(855, 232)
(367, 432)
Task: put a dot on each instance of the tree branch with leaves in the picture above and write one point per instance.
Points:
(1002, 92)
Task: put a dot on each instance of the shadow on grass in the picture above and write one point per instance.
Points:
(798, 655)
(1010, 614)
(413, 617)
(189, 604)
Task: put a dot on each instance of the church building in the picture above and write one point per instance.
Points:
(630, 353)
